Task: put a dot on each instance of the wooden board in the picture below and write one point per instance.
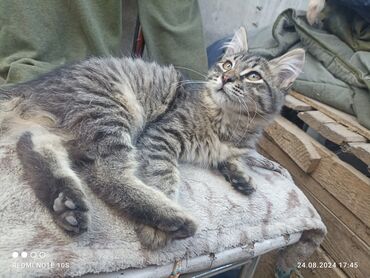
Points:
(344, 182)
(295, 143)
(342, 244)
(320, 257)
(266, 266)
(341, 117)
(270, 149)
(295, 104)
(360, 150)
(329, 128)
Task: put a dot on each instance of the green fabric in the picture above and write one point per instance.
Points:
(335, 72)
(173, 34)
(38, 35)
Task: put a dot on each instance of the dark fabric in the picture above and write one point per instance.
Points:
(348, 25)
(216, 50)
(362, 7)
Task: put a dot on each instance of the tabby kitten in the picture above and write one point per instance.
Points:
(122, 126)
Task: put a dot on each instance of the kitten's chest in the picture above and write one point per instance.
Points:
(210, 151)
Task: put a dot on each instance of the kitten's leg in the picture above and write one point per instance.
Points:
(235, 174)
(158, 168)
(254, 159)
(114, 178)
(46, 167)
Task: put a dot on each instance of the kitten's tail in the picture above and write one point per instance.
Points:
(17, 114)
(9, 109)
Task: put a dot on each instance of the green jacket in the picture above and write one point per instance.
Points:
(337, 68)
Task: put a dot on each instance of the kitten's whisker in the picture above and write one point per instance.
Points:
(250, 119)
(248, 124)
(192, 82)
(237, 123)
(255, 103)
(192, 70)
(186, 82)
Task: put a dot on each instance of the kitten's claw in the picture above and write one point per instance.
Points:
(69, 204)
(71, 220)
(275, 167)
(282, 171)
(71, 215)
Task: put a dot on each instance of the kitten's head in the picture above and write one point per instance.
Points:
(241, 81)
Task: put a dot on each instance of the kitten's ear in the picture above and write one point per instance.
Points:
(287, 67)
(238, 43)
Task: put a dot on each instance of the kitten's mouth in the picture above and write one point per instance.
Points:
(221, 89)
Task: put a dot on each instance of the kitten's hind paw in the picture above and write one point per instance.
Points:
(180, 227)
(152, 238)
(71, 213)
(178, 224)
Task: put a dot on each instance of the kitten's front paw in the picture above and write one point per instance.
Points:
(237, 178)
(71, 213)
(244, 184)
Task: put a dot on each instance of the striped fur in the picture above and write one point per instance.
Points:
(122, 126)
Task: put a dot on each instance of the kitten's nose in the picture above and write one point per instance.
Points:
(228, 78)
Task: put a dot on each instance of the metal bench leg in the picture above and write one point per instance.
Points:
(247, 271)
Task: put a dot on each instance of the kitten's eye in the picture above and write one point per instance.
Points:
(253, 76)
(227, 65)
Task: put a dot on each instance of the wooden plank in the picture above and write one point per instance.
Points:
(361, 151)
(270, 149)
(266, 266)
(321, 258)
(295, 143)
(295, 104)
(315, 118)
(347, 184)
(342, 244)
(341, 117)
(329, 128)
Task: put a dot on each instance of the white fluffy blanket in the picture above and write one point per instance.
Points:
(227, 219)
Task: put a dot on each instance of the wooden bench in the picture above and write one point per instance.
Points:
(339, 191)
